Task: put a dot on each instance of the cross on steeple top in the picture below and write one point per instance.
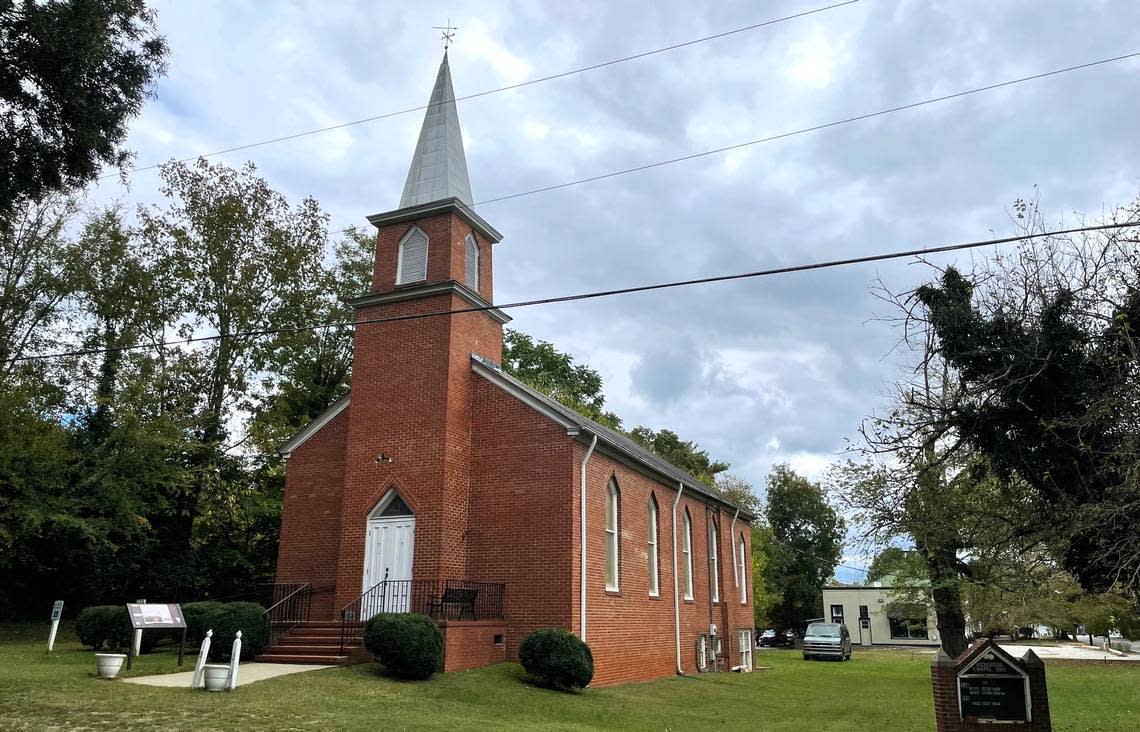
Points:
(447, 33)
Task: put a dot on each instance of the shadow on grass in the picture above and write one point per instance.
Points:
(537, 682)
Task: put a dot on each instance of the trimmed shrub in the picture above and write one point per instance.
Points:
(558, 657)
(409, 645)
(93, 625)
(194, 613)
(109, 626)
(226, 621)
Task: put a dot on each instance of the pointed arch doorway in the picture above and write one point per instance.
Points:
(389, 549)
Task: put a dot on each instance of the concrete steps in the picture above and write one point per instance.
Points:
(316, 642)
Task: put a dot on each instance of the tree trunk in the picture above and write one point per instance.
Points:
(947, 599)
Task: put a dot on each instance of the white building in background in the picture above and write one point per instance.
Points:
(873, 621)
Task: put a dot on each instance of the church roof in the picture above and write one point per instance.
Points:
(577, 423)
(439, 167)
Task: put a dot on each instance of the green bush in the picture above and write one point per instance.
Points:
(557, 657)
(93, 625)
(409, 645)
(109, 626)
(226, 621)
(194, 613)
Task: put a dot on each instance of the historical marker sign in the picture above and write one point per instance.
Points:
(993, 686)
(152, 615)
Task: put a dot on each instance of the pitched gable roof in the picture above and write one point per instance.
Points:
(576, 424)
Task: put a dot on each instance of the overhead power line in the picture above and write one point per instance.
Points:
(828, 264)
(794, 133)
(814, 128)
(509, 87)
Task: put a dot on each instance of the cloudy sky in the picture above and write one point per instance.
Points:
(757, 372)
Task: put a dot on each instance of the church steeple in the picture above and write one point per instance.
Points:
(439, 167)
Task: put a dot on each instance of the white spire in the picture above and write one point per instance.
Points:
(439, 168)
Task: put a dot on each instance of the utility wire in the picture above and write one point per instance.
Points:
(828, 264)
(814, 128)
(530, 82)
(794, 133)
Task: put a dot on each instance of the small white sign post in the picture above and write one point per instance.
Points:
(235, 656)
(56, 612)
(196, 682)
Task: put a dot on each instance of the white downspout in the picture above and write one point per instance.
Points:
(676, 586)
(732, 540)
(582, 558)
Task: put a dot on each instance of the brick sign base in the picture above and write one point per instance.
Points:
(951, 712)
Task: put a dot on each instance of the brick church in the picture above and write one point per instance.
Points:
(442, 485)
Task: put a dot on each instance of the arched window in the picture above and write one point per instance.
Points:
(743, 564)
(687, 557)
(654, 582)
(714, 569)
(612, 535)
(411, 265)
(471, 262)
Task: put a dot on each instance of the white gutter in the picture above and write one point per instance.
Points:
(582, 558)
(676, 599)
(732, 541)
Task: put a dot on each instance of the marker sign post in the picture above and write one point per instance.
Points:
(153, 616)
(56, 613)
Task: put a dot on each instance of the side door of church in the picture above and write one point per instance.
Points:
(389, 549)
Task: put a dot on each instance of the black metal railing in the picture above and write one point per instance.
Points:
(289, 606)
(480, 601)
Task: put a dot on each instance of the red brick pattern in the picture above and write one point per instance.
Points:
(944, 679)
(471, 644)
(631, 633)
(446, 233)
(310, 516)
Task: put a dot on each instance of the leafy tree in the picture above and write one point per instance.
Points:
(74, 73)
(896, 562)
(765, 596)
(684, 454)
(737, 491)
(542, 366)
(312, 369)
(1044, 350)
(807, 538)
(39, 269)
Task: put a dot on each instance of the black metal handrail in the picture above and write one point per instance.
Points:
(289, 607)
(418, 596)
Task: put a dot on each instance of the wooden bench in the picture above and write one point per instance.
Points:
(454, 597)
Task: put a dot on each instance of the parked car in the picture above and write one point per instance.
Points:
(827, 640)
(771, 639)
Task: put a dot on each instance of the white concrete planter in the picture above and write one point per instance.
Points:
(215, 676)
(109, 664)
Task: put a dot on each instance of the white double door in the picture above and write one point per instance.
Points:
(388, 549)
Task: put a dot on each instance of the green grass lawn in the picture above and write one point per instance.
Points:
(878, 690)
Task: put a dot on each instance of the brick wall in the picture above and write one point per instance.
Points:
(471, 644)
(631, 633)
(520, 511)
(310, 516)
(446, 233)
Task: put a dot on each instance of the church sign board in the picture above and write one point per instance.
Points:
(986, 686)
(991, 687)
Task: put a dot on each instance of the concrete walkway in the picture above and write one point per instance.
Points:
(247, 674)
(1073, 651)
